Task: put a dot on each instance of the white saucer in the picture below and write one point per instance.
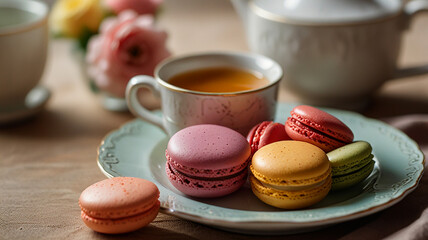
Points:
(34, 103)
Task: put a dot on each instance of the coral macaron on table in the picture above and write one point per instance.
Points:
(119, 205)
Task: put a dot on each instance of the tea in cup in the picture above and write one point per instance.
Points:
(219, 80)
(23, 50)
(236, 90)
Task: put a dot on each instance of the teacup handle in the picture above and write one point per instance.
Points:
(411, 9)
(134, 105)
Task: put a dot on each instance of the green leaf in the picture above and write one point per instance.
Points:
(84, 38)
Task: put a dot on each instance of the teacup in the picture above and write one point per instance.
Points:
(23, 49)
(182, 107)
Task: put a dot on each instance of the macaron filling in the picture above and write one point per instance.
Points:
(345, 137)
(204, 173)
(120, 213)
(292, 195)
(352, 167)
(309, 132)
(348, 180)
(290, 182)
(294, 188)
(121, 225)
(206, 182)
(154, 208)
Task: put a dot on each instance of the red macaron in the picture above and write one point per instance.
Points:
(265, 133)
(312, 125)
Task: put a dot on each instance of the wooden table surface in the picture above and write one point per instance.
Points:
(47, 161)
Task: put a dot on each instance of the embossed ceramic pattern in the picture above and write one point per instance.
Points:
(239, 112)
(137, 149)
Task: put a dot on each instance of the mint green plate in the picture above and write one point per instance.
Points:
(137, 149)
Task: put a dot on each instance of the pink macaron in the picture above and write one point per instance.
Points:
(265, 133)
(312, 125)
(119, 205)
(207, 160)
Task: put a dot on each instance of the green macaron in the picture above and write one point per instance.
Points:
(351, 164)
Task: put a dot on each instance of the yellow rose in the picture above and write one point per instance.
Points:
(71, 17)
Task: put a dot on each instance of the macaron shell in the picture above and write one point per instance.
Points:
(253, 135)
(301, 132)
(121, 225)
(323, 122)
(118, 197)
(273, 133)
(205, 188)
(346, 181)
(290, 199)
(290, 163)
(265, 133)
(352, 167)
(350, 157)
(208, 147)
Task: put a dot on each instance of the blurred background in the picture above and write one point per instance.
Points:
(204, 25)
(46, 161)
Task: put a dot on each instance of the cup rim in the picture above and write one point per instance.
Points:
(34, 6)
(216, 53)
(286, 20)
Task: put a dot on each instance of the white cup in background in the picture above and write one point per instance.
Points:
(23, 50)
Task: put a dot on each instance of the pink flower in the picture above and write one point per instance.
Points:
(139, 6)
(128, 45)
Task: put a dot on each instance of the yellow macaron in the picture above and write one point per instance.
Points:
(290, 174)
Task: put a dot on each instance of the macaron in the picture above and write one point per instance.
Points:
(207, 160)
(119, 204)
(312, 125)
(351, 164)
(265, 133)
(290, 174)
